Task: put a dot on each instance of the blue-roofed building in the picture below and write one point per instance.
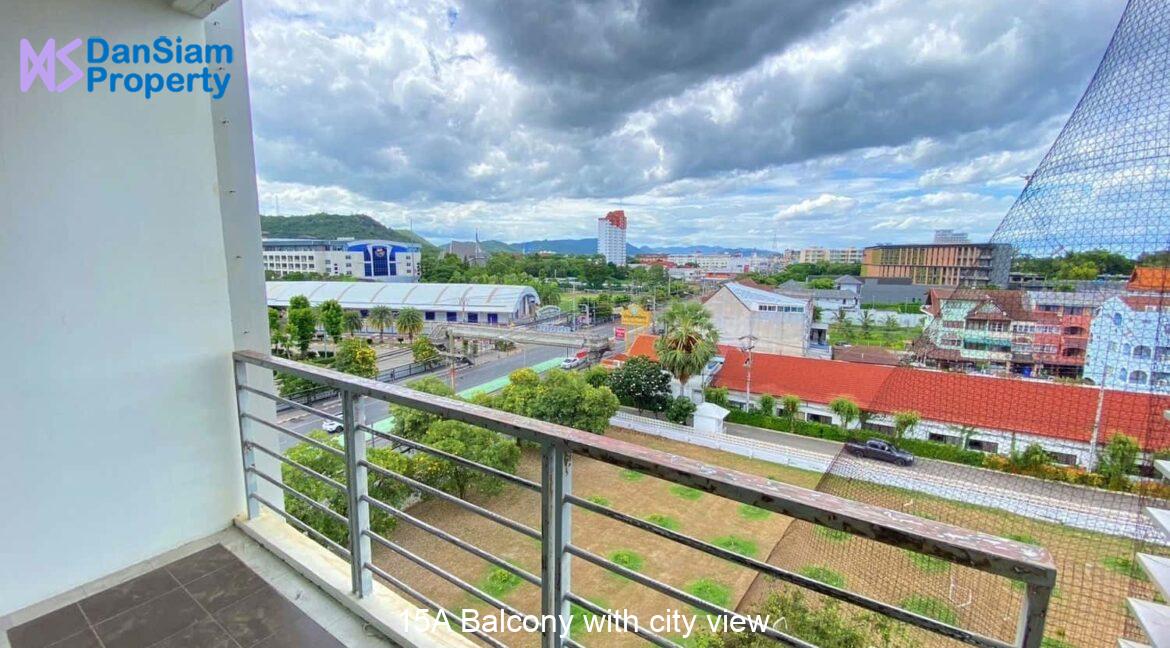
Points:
(370, 260)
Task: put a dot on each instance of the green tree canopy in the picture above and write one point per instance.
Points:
(641, 383)
(332, 318)
(302, 325)
(381, 317)
(409, 322)
(470, 442)
(356, 357)
(688, 340)
(353, 322)
(299, 301)
(1117, 460)
(424, 351)
(411, 423)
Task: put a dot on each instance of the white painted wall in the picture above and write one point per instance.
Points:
(120, 433)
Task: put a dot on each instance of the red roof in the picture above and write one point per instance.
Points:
(617, 218)
(1149, 280)
(1015, 405)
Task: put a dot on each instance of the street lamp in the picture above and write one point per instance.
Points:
(746, 344)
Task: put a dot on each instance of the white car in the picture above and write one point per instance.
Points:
(571, 362)
(332, 427)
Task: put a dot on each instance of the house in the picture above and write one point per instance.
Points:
(1129, 344)
(777, 323)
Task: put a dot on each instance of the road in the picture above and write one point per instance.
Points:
(465, 378)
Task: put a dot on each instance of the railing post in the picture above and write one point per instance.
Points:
(356, 484)
(556, 470)
(1033, 615)
(243, 401)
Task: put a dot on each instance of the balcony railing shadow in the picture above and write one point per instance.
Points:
(1030, 565)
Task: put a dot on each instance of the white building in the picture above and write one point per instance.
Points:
(611, 237)
(439, 303)
(1129, 344)
(373, 260)
(780, 324)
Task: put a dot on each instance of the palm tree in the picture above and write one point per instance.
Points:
(846, 410)
(866, 322)
(353, 322)
(409, 323)
(381, 316)
(687, 342)
(903, 423)
(790, 403)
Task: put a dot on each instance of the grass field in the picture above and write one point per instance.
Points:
(1088, 609)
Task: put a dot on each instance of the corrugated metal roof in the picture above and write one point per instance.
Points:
(755, 296)
(486, 298)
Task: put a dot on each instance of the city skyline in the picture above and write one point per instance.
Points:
(834, 124)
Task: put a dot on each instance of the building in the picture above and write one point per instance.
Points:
(469, 252)
(823, 255)
(371, 260)
(893, 291)
(611, 237)
(779, 323)
(1129, 345)
(985, 413)
(950, 237)
(832, 299)
(439, 303)
(970, 265)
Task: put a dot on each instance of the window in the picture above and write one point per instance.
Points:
(452, 316)
(982, 446)
(1141, 352)
(1138, 377)
(429, 316)
(473, 318)
(945, 439)
(1117, 319)
(819, 418)
(1063, 458)
(493, 318)
(1160, 379)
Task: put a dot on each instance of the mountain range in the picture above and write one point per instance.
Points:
(589, 246)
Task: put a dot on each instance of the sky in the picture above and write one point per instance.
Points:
(758, 123)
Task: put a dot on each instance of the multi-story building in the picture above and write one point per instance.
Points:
(950, 237)
(371, 260)
(826, 255)
(1031, 334)
(611, 237)
(776, 323)
(1129, 346)
(963, 264)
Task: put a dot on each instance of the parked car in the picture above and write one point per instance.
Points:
(572, 362)
(332, 427)
(880, 450)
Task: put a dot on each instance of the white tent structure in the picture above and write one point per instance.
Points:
(440, 303)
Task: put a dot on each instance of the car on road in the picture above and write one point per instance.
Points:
(332, 427)
(880, 450)
(572, 362)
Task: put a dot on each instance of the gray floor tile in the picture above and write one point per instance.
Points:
(258, 616)
(304, 633)
(83, 639)
(201, 563)
(120, 598)
(202, 634)
(47, 629)
(225, 586)
(150, 622)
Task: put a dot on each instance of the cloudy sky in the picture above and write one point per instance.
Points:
(747, 122)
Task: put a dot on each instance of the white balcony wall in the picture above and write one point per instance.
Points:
(120, 439)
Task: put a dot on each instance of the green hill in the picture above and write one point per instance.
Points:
(332, 226)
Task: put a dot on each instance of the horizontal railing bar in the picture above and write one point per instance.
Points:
(852, 598)
(653, 638)
(301, 496)
(680, 595)
(458, 542)
(495, 472)
(978, 550)
(444, 574)
(280, 428)
(299, 466)
(292, 519)
(421, 598)
(431, 490)
(291, 403)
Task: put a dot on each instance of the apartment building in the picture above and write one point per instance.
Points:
(1129, 346)
(964, 264)
(371, 260)
(611, 237)
(825, 255)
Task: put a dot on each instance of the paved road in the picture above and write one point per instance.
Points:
(465, 378)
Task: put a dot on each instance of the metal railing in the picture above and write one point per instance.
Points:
(1031, 565)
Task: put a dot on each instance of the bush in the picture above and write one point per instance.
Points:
(680, 410)
(768, 404)
(716, 396)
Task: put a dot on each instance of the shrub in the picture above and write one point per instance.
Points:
(749, 512)
(824, 575)
(664, 521)
(736, 544)
(931, 607)
(768, 404)
(680, 410)
(686, 492)
(500, 581)
(716, 395)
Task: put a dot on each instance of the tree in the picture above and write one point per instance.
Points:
(687, 342)
(866, 322)
(768, 404)
(903, 423)
(299, 301)
(470, 442)
(790, 403)
(353, 322)
(302, 324)
(641, 383)
(411, 423)
(680, 410)
(332, 319)
(846, 410)
(409, 323)
(822, 283)
(1118, 460)
(277, 330)
(563, 397)
(597, 376)
(381, 317)
(423, 351)
(356, 357)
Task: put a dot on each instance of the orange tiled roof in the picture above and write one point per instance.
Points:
(1149, 280)
(1033, 407)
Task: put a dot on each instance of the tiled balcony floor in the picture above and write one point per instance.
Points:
(206, 599)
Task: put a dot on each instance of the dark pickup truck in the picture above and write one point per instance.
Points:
(880, 450)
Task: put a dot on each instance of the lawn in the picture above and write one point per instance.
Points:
(878, 335)
(1087, 611)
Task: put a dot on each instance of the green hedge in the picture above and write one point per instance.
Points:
(919, 447)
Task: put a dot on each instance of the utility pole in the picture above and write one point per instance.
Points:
(746, 344)
(1092, 463)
